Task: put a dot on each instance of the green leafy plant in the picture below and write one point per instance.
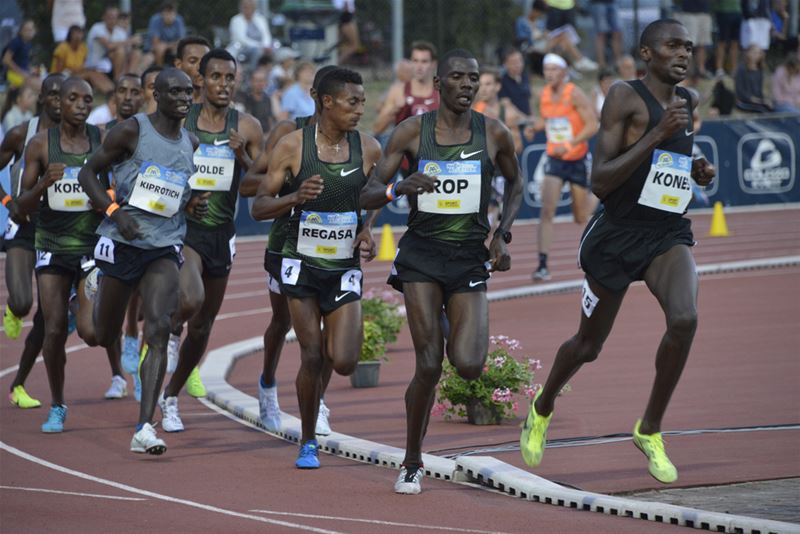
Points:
(373, 349)
(382, 308)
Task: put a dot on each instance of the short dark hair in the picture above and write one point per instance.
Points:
(653, 30)
(127, 75)
(72, 80)
(216, 53)
(72, 29)
(333, 82)
(168, 5)
(444, 64)
(151, 68)
(495, 72)
(321, 73)
(190, 40)
(539, 5)
(424, 46)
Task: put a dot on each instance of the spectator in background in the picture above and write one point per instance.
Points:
(750, 82)
(148, 85)
(786, 85)
(696, 16)
(17, 55)
(296, 100)
(133, 44)
(20, 105)
(756, 24)
(561, 19)
(605, 79)
(164, 31)
(256, 101)
(283, 70)
(109, 45)
(65, 14)
(728, 14)
(534, 41)
(250, 35)
(606, 26)
(349, 40)
(626, 68)
(69, 57)
(515, 85)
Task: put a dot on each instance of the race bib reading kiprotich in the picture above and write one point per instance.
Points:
(457, 190)
(67, 194)
(215, 165)
(327, 235)
(668, 186)
(559, 130)
(158, 190)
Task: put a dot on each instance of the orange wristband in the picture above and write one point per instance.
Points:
(6, 200)
(389, 191)
(111, 209)
(111, 194)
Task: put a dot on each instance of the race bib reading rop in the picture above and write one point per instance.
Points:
(457, 189)
(559, 130)
(158, 190)
(328, 235)
(668, 186)
(215, 165)
(67, 194)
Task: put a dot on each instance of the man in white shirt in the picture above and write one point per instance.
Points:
(108, 44)
(250, 35)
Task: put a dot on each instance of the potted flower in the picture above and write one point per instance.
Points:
(373, 351)
(383, 309)
(491, 398)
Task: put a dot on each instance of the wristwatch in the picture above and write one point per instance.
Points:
(505, 236)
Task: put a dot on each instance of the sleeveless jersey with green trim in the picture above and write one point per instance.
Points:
(468, 227)
(63, 232)
(280, 225)
(221, 204)
(343, 183)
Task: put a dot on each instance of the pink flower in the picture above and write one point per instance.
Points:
(534, 364)
(530, 390)
(438, 409)
(499, 361)
(501, 395)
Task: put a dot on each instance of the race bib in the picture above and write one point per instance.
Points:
(104, 250)
(290, 271)
(214, 165)
(158, 190)
(668, 186)
(327, 235)
(559, 130)
(11, 230)
(351, 281)
(67, 194)
(457, 189)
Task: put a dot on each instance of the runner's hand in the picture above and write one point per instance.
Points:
(310, 189)
(237, 142)
(54, 172)
(415, 184)
(14, 213)
(675, 118)
(498, 255)
(703, 172)
(198, 205)
(126, 225)
(366, 244)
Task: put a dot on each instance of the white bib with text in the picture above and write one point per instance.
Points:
(67, 194)
(327, 235)
(158, 190)
(457, 190)
(214, 165)
(668, 186)
(559, 130)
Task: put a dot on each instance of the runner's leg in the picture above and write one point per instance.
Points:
(55, 288)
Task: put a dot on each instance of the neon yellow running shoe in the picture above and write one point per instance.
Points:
(12, 324)
(21, 398)
(194, 386)
(653, 447)
(533, 438)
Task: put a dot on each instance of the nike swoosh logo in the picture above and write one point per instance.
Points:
(465, 156)
(337, 298)
(218, 142)
(351, 171)
(687, 133)
(473, 283)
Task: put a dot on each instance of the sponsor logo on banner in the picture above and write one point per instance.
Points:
(533, 178)
(766, 163)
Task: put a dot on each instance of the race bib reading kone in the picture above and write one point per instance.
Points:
(457, 189)
(559, 130)
(668, 186)
(327, 235)
(215, 165)
(158, 189)
(67, 194)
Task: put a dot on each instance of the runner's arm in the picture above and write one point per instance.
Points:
(119, 143)
(13, 144)
(507, 162)
(257, 172)
(389, 109)
(283, 161)
(249, 146)
(32, 188)
(589, 117)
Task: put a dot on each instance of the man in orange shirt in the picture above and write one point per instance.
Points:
(569, 122)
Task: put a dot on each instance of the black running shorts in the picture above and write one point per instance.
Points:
(216, 247)
(575, 172)
(19, 235)
(332, 289)
(129, 264)
(78, 266)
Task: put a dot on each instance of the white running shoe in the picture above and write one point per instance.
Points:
(268, 408)
(323, 426)
(408, 482)
(145, 440)
(173, 352)
(118, 389)
(170, 418)
(585, 64)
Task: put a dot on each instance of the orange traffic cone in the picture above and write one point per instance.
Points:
(719, 228)
(387, 250)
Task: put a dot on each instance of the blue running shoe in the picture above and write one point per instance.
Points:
(130, 354)
(309, 455)
(55, 420)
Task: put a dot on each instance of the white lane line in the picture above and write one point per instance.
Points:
(377, 522)
(13, 368)
(25, 456)
(75, 493)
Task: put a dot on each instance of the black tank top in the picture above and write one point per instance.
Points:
(624, 203)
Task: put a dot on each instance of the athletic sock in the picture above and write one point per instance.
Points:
(139, 426)
(543, 260)
(264, 383)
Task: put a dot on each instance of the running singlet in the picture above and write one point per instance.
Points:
(280, 226)
(457, 209)
(322, 231)
(660, 188)
(153, 188)
(416, 105)
(67, 222)
(217, 169)
(13, 229)
(562, 122)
